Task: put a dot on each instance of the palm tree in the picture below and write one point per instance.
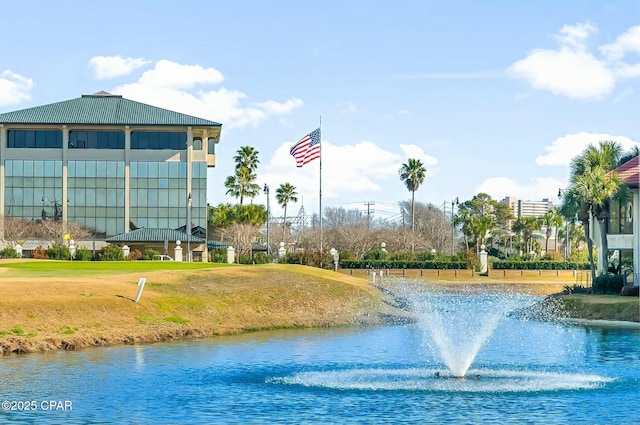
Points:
(526, 226)
(284, 194)
(412, 174)
(550, 220)
(247, 157)
(592, 184)
(242, 184)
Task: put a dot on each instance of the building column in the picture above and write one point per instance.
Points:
(3, 147)
(65, 177)
(636, 236)
(127, 176)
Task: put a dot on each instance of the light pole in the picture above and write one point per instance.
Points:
(266, 191)
(188, 229)
(567, 245)
(453, 228)
(334, 254)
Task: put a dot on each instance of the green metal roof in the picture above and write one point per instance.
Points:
(227, 244)
(102, 109)
(154, 235)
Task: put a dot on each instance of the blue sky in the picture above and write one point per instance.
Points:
(493, 96)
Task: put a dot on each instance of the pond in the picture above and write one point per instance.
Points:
(525, 371)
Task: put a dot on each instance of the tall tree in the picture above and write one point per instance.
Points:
(479, 216)
(247, 157)
(592, 184)
(552, 219)
(412, 175)
(526, 226)
(284, 194)
(242, 182)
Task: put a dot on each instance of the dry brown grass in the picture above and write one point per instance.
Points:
(72, 313)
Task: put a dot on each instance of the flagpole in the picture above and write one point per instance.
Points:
(320, 190)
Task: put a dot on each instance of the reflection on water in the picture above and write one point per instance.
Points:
(529, 372)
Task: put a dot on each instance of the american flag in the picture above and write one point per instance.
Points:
(307, 149)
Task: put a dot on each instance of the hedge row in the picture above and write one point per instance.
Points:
(433, 264)
(444, 265)
(540, 265)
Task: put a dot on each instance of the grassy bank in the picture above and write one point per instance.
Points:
(49, 305)
(601, 307)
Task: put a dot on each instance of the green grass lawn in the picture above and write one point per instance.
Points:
(50, 268)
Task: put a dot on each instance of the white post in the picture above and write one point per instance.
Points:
(231, 255)
(140, 288)
(483, 259)
(72, 249)
(177, 256)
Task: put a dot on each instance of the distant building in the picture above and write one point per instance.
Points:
(521, 208)
(107, 163)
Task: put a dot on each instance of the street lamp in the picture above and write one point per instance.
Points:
(567, 245)
(334, 254)
(188, 229)
(453, 228)
(266, 191)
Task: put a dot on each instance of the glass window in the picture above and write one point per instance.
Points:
(211, 146)
(28, 168)
(158, 140)
(101, 169)
(153, 170)
(163, 169)
(34, 138)
(197, 143)
(90, 168)
(8, 168)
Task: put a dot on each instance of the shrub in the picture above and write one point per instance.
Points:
(376, 255)
(401, 256)
(111, 253)
(134, 255)
(217, 255)
(608, 284)
(261, 258)
(39, 253)
(553, 256)
(9, 253)
(149, 253)
(83, 254)
(244, 259)
(59, 252)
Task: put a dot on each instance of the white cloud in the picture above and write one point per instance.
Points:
(167, 74)
(567, 72)
(361, 169)
(629, 41)
(576, 35)
(281, 108)
(570, 70)
(173, 86)
(565, 148)
(628, 71)
(416, 152)
(537, 188)
(114, 66)
(14, 88)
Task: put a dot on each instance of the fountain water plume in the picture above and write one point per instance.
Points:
(455, 324)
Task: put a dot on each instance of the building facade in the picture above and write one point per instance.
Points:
(521, 208)
(107, 163)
